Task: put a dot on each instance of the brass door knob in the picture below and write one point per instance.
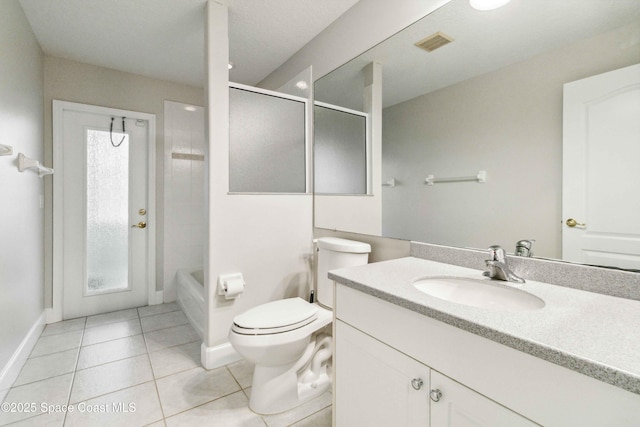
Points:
(573, 223)
(141, 224)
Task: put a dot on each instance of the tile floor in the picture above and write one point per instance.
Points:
(137, 367)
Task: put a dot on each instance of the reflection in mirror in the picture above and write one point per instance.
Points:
(340, 150)
(491, 100)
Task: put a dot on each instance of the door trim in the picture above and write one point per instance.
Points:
(59, 107)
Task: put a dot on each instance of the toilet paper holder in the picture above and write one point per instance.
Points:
(225, 281)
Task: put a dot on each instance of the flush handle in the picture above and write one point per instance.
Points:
(573, 223)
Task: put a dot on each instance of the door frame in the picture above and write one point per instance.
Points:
(59, 107)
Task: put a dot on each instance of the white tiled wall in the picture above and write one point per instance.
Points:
(184, 191)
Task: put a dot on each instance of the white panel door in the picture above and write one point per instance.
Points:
(377, 386)
(601, 173)
(105, 211)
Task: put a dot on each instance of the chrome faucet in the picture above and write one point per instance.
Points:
(523, 248)
(498, 268)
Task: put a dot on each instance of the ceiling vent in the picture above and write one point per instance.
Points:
(434, 41)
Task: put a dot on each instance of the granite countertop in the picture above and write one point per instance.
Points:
(594, 334)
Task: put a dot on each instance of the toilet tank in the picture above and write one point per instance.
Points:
(336, 253)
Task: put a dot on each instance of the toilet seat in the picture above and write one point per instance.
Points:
(275, 317)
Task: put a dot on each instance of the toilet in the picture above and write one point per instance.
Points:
(289, 340)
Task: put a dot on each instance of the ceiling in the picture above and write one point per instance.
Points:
(164, 39)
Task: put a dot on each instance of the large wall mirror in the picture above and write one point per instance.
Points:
(489, 99)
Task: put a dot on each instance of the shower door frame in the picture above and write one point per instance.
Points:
(55, 314)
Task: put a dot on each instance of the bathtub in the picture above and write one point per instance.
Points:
(190, 296)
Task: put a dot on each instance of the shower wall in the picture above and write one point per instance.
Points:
(184, 227)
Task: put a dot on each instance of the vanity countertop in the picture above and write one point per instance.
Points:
(594, 334)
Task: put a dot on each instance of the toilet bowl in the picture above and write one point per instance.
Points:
(286, 342)
(289, 340)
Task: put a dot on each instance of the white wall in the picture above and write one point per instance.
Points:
(21, 215)
(507, 122)
(88, 84)
(265, 237)
(184, 237)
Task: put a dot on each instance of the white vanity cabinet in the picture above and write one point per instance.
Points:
(380, 386)
(383, 349)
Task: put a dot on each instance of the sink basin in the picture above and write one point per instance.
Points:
(478, 293)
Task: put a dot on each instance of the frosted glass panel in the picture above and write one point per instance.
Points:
(266, 143)
(340, 152)
(107, 212)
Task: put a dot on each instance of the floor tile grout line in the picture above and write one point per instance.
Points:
(50, 354)
(173, 346)
(110, 392)
(309, 416)
(148, 315)
(58, 333)
(42, 379)
(110, 340)
(202, 404)
(233, 376)
(162, 314)
(153, 375)
(160, 329)
(21, 420)
(115, 339)
(176, 372)
(111, 361)
(73, 376)
(110, 322)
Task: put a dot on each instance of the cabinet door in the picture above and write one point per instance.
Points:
(459, 406)
(377, 385)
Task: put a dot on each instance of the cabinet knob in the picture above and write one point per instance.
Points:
(435, 395)
(417, 383)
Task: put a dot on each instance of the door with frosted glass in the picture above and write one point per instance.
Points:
(105, 212)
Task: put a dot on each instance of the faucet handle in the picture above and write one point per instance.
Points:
(523, 248)
(497, 253)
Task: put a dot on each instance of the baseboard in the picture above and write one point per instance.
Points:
(12, 369)
(220, 355)
(159, 298)
(52, 316)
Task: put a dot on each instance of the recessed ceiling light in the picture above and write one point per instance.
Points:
(487, 4)
(302, 85)
(190, 108)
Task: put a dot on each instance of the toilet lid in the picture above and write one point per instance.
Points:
(278, 316)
